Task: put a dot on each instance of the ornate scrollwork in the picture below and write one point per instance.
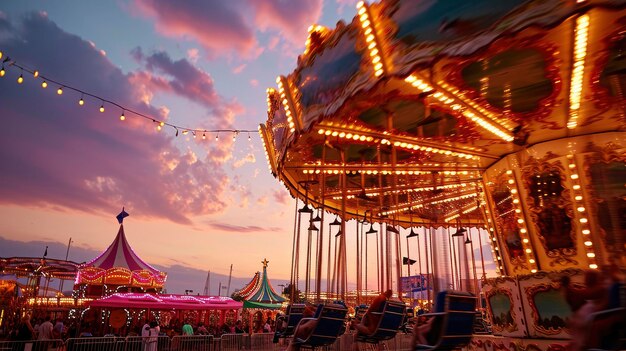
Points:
(550, 207)
(506, 321)
(545, 325)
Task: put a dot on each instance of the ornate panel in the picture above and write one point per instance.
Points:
(504, 307)
(546, 310)
(506, 223)
(605, 169)
(551, 210)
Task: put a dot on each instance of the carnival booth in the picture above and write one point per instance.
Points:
(501, 122)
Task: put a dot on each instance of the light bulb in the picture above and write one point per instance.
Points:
(203, 136)
(60, 91)
(36, 74)
(20, 79)
(217, 137)
(44, 84)
(101, 108)
(122, 117)
(2, 72)
(81, 102)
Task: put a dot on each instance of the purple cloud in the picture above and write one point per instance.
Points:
(56, 153)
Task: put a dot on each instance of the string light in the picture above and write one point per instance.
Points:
(46, 80)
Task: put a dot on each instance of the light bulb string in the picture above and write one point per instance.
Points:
(13, 63)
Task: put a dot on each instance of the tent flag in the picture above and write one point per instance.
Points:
(120, 217)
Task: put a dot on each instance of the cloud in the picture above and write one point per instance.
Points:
(193, 55)
(228, 28)
(290, 18)
(281, 196)
(226, 227)
(249, 158)
(57, 154)
(254, 82)
(219, 26)
(239, 68)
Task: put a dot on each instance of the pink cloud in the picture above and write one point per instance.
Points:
(219, 26)
(228, 27)
(254, 82)
(239, 68)
(291, 18)
(227, 227)
(59, 155)
(193, 55)
(281, 196)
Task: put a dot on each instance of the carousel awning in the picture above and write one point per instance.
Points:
(261, 305)
(166, 302)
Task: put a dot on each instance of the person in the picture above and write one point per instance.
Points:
(45, 330)
(369, 322)
(25, 330)
(202, 330)
(57, 331)
(422, 326)
(304, 328)
(266, 327)
(595, 297)
(239, 327)
(187, 328)
(153, 336)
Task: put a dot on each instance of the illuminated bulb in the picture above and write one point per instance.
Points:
(532, 261)
(81, 102)
(122, 117)
(578, 197)
(36, 74)
(533, 271)
(217, 137)
(588, 243)
(60, 91)
(591, 255)
(159, 127)
(20, 79)
(101, 108)
(586, 231)
(2, 72)
(203, 136)
(583, 220)
(593, 266)
(525, 241)
(529, 250)
(574, 176)
(234, 136)
(581, 209)
(44, 84)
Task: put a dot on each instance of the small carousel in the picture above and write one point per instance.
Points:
(260, 301)
(489, 135)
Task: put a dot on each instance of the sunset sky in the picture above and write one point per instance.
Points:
(195, 205)
(67, 170)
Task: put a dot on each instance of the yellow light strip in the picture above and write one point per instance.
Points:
(495, 250)
(371, 38)
(265, 148)
(312, 28)
(286, 103)
(521, 223)
(450, 101)
(364, 136)
(458, 213)
(374, 191)
(403, 208)
(583, 221)
(578, 69)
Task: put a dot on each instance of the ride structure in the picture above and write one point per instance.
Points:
(499, 125)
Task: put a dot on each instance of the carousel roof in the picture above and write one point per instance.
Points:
(31, 266)
(412, 102)
(260, 292)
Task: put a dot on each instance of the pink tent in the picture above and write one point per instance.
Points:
(166, 302)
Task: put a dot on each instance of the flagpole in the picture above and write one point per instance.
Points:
(67, 253)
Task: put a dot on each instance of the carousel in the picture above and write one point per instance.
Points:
(483, 140)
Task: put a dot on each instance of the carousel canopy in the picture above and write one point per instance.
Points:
(31, 266)
(397, 115)
(259, 293)
(166, 302)
(120, 265)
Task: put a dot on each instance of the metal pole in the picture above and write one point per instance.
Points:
(67, 254)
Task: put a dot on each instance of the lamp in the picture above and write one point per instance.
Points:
(317, 218)
(306, 209)
(371, 230)
(392, 229)
(312, 227)
(468, 241)
(336, 221)
(338, 233)
(460, 232)
(408, 261)
(412, 233)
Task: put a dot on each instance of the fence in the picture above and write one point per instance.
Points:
(228, 342)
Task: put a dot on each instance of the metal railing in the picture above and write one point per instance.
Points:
(228, 342)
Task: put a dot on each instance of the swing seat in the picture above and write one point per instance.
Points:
(330, 324)
(392, 318)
